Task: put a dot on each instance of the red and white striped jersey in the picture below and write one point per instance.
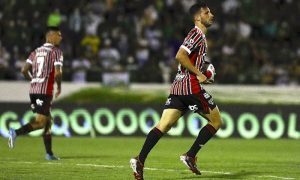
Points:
(43, 61)
(186, 82)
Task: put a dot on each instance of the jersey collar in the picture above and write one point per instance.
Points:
(198, 29)
(48, 44)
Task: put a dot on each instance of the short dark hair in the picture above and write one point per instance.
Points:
(196, 7)
(52, 28)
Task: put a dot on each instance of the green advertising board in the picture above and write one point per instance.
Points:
(245, 121)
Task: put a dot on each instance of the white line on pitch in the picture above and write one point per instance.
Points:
(147, 168)
(52, 163)
(100, 165)
(172, 170)
(277, 177)
(22, 162)
(216, 172)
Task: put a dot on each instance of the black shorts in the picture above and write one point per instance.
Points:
(41, 103)
(199, 103)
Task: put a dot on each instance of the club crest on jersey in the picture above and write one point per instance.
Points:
(191, 41)
(193, 107)
(168, 102)
(39, 102)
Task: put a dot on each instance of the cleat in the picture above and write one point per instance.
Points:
(51, 157)
(137, 168)
(190, 163)
(11, 138)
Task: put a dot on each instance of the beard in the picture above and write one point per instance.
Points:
(208, 23)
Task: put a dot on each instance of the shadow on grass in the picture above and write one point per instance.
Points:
(238, 175)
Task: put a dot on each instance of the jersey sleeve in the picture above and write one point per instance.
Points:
(58, 57)
(31, 57)
(192, 40)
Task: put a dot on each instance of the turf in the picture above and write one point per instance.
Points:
(108, 158)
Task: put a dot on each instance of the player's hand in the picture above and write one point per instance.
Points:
(210, 73)
(201, 78)
(209, 81)
(58, 91)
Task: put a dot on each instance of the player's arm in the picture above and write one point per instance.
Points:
(183, 58)
(58, 79)
(26, 71)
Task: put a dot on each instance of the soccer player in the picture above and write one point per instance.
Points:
(186, 93)
(43, 67)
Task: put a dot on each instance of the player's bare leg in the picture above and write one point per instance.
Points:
(39, 123)
(47, 138)
(207, 132)
(214, 118)
(169, 117)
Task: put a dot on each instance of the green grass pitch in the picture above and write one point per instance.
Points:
(108, 158)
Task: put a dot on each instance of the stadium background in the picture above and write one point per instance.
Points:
(119, 62)
(247, 44)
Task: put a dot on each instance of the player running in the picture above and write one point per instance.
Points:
(187, 93)
(42, 68)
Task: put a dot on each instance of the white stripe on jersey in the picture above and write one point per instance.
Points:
(29, 61)
(186, 49)
(195, 45)
(58, 63)
(37, 80)
(43, 60)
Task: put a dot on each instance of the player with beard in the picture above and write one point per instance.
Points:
(187, 93)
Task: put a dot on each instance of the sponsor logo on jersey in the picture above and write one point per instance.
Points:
(193, 107)
(39, 102)
(168, 102)
(191, 41)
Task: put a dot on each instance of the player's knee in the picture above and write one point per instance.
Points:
(168, 127)
(48, 124)
(164, 127)
(47, 132)
(217, 123)
(41, 124)
(215, 119)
